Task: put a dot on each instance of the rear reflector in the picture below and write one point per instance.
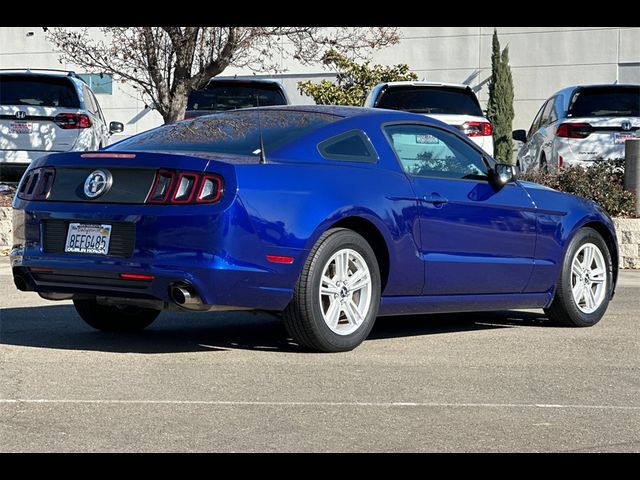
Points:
(108, 155)
(560, 161)
(279, 259)
(136, 276)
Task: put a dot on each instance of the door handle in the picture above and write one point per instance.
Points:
(435, 199)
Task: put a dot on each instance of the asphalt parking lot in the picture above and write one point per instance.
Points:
(504, 381)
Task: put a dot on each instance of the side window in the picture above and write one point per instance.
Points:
(548, 114)
(98, 109)
(351, 146)
(536, 121)
(88, 100)
(430, 152)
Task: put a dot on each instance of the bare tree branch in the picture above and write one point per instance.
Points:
(167, 63)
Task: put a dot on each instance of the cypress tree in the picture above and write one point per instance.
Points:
(500, 106)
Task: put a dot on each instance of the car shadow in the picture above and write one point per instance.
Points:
(59, 327)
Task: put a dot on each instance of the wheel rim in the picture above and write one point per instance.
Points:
(345, 291)
(588, 278)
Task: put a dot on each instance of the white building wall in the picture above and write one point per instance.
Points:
(543, 60)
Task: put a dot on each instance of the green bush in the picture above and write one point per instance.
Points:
(603, 183)
(353, 82)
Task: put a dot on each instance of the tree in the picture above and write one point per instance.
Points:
(500, 107)
(353, 82)
(167, 63)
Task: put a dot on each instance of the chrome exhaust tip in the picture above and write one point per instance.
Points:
(185, 296)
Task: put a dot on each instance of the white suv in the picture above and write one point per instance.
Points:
(579, 125)
(47, 111)
(450, 103)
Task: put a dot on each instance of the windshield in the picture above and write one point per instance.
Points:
(236, 132)
(436, 100)
(37, 91)
(226, 96)
(614, 101)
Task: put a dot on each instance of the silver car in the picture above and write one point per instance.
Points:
(44, 111)
(579, 125)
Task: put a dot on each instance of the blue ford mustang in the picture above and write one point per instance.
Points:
(330, 215)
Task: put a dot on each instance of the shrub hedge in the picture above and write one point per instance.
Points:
(603, 183)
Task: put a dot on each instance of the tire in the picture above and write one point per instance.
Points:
(572, 304)
(108, 318)
(341, 318)
(544, 168)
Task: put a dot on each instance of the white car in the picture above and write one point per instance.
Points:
(579, 125)
(450, 103)
(47, 111)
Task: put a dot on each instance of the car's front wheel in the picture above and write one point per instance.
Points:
(336, 299)
(585, 283)
(110, 318)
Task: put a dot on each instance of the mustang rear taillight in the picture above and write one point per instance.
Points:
(573, 130)
(477, 129)
(171, 187)
(36, 184)
(70, 121)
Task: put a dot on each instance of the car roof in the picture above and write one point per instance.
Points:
(410, 83)
(344, 112)
(244, 80)
(572, 88)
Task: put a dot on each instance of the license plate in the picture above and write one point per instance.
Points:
(21, 127)
(623, 137)
(88, 238)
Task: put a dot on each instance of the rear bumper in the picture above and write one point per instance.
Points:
(215, 251)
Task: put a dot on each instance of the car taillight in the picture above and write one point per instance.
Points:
(70, 121)
(36, 184)
(573, 130)
(477, 129)
(171, 187)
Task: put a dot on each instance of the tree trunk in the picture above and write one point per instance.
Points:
(177, 105)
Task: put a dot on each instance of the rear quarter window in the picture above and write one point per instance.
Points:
(27, 90)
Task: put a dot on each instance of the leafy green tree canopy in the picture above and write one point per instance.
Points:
(353, 81)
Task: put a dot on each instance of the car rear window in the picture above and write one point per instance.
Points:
(226, 96)
(436, 100)
(37, 91)
(236, 132)
(606, 102)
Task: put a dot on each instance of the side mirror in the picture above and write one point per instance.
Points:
(115, 127)
(519, 135)
(502, 174)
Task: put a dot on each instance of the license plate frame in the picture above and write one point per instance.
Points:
(88, 238)
(623, 137)
(21, 128)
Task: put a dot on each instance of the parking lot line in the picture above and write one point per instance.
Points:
(314, 404)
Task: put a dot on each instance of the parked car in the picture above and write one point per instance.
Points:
(331, 215)
(44, 111)
(579, 125)
(450, 103)
(222, 94)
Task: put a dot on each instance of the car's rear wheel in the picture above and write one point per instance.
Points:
(585, 283)
(544, 167)
(110, 318)
(337, 296)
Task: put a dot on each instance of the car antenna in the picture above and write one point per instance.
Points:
(263, 157)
